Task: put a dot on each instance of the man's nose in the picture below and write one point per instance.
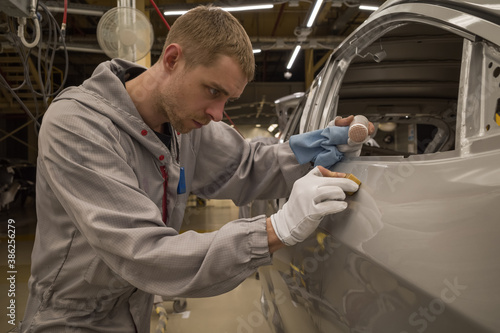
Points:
(216, 111)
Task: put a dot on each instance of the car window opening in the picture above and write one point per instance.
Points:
(410, 94)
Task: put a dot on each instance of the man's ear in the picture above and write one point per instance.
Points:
(172, 56)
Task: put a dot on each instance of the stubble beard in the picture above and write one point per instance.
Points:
(169, 109)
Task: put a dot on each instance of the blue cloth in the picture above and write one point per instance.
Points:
(320, 146)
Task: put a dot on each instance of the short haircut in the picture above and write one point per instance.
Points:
(206, 32)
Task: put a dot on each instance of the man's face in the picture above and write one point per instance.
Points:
(197, 96)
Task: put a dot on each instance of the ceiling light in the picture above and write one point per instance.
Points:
(174, 12)
(372, 8)
(272, 127)
(292, 58)
(315, 11)
(228, 9)
(257, 50)
(243, 8)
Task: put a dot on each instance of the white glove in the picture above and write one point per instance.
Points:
(313, 196)
(358, 135)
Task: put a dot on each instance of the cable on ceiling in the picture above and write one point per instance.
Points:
(50, 39)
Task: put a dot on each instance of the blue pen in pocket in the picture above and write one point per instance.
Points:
(181, 187)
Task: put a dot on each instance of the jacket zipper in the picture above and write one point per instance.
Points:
(164, 174)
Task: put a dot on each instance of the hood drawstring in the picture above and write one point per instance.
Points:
(164, 174)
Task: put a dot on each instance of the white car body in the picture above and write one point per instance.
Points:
(417, 250)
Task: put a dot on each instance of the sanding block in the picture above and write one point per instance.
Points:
(354, 179)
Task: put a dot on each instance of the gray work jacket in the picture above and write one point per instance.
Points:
(101, 248)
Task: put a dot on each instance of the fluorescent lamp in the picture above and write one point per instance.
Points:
(257, 50)
(372, 8)
(174, 12)
(272, 127)
(315, 11)
(242, 8)
(294, 55)
(228, 9)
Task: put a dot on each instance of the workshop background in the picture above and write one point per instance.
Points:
(291, 40)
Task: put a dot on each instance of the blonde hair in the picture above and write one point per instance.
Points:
(206, 32)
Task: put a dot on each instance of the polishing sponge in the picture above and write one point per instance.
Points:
(354, 179)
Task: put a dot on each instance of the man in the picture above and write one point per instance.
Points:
(118, 157)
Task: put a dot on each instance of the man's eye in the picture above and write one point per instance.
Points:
(214, 92)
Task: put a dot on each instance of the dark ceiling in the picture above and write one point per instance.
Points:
(276, 31)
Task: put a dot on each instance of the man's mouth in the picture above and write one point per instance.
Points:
(201, 124)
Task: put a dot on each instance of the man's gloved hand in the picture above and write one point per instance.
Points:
(313, 196)
(327, 146)
(359, 133)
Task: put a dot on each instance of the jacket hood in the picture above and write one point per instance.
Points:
(105, 93)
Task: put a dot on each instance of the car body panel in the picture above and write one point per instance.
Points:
(416, 250)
